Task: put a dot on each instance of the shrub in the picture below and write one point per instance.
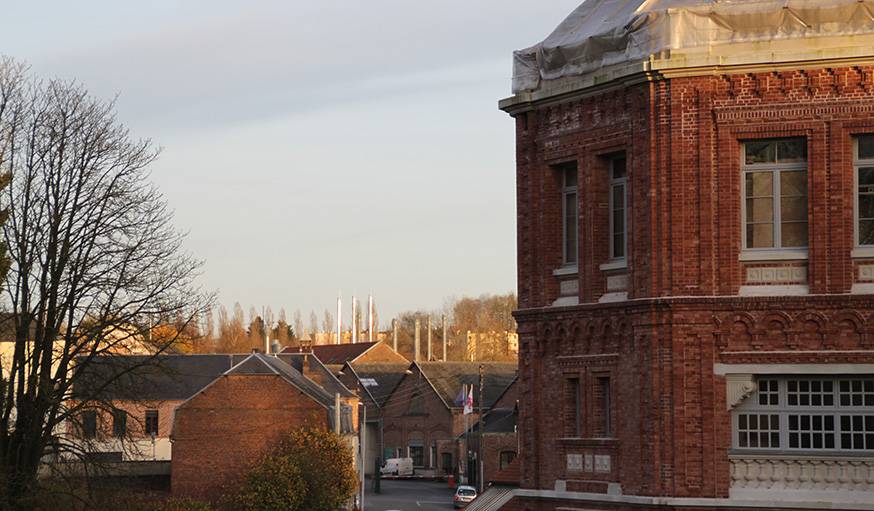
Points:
(311, 470)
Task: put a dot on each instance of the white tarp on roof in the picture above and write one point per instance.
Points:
(601, 33)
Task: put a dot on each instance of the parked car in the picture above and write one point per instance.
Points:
(397, 467)
(463, 496)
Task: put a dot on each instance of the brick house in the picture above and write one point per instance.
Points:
(423, 416)
(500, 438)
(131, 418)
(374, 384)
(695, 194)
(231, 423)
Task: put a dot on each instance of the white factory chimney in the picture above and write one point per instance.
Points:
(370, 318)
(354, 320)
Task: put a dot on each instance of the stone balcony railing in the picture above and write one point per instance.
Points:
(825, 478)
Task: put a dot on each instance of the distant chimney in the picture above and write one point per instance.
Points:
(255, 350)
(444, 337)
(276, 346)
(394, 334)
(370, 318)
(354, 320)
(429, 338)
(416, 342)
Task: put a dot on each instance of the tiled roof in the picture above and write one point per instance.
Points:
(328, 379)
(448, 378)
(380, 378)
(335, 353)
(148, 378)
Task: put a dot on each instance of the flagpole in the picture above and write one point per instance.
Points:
(466, 435)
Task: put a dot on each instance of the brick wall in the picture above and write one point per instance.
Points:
(229, 426)
(430, 421)
(682, 138)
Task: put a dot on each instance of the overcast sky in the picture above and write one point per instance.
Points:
(311, 147)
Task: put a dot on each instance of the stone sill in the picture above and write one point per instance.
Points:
(773, 255)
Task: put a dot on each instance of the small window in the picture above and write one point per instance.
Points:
(417, 452)
(775, 194)
(507, 457)
(152, 422)
(567, 173)
(89, 424)
(864, 167)
(575, 407)
(417, 404)
(618, 208)
(119, 423)
(604, 411)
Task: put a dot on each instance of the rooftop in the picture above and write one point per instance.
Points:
(447, 379)
(331, 354)
(604, 40)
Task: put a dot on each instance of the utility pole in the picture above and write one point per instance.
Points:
(479, 456)
(466, 439)
(362, 429)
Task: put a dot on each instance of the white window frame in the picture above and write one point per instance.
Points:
(615, 183)
(777, 251)
(566, 191)
(857, 163)
(783, 409)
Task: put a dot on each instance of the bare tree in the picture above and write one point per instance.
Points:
(94, 261)
(328, 322)
(314, 324)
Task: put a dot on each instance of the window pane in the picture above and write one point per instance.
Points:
(792, 150)
(760, 152)
(866, 146)
(618, 245)
(793, 184)
(570, 177)
(793, 234)
(570, 225)
(866, 206)
(618, 170)
(866, 232)
(760, 184)
(760, 236)
(760, 210)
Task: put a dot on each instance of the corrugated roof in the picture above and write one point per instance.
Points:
(335, 353)
(447, 378)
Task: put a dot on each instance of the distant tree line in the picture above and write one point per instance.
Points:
(235, 331)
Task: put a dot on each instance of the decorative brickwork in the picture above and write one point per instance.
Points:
(669, 419)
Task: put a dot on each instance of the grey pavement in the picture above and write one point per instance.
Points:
(408, 496)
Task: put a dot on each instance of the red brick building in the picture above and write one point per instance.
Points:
(221, 431)
(423, 415)
(695, 200)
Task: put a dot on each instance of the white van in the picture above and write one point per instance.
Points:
(397, 467)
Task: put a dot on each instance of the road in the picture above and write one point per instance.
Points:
(409, 496)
